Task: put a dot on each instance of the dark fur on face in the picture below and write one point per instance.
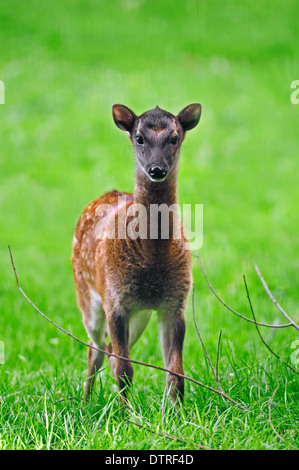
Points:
(156, 119)
(157, 136)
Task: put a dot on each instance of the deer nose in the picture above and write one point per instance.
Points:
(157, 173)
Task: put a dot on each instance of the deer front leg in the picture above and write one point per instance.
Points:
(118, 324)
(172, 328)
(95, 361)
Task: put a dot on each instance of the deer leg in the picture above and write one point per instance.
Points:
(95, 324)
(172, 331)
(95, 361)
(118, 325)
(136, 327)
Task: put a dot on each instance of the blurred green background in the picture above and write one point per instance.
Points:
(64, 64)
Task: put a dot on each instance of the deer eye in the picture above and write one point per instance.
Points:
(139, 140)
(174, 139)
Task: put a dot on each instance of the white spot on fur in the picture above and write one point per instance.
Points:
(96, 301)
(96, 326)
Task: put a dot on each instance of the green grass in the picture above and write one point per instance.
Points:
(64, 64)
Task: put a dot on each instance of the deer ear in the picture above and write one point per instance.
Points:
(189, 116)
(123, 117)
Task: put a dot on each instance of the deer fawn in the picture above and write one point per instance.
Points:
(120, 280)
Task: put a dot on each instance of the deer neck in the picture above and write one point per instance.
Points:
(154, 194)
(147, 192)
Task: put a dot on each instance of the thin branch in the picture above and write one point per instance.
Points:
(201, 340)
(218, 354)
(164, 433)
(232, 310)
(274, 300)
(168, 436)
(114, 355)
(219, 421)
(270, 419)
(270, 411)
(260, 335)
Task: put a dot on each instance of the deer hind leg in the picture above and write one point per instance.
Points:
(95, 324)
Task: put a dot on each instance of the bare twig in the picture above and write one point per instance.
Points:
(231, 309)
(114, 355)
(260, 335)
(219, 421)
(218, 354)
(270, 419)
(168, 436)
(270, 411)
(292, 323)
(164, 433)
(201, 340)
